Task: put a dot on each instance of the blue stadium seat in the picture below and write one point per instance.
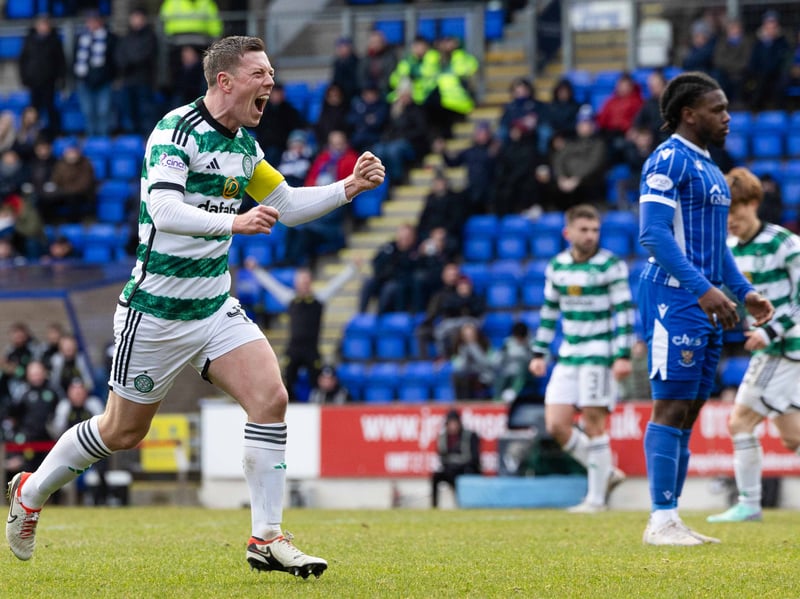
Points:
(248, 291)
(297, 94)
(766, 144)
(581, 82)
(418, 378)
(393, 29)
(514, 231)
(741, 122)
(770, 120)
(767, 166)
(97, 145)
(97, 253)
(129, 143)
(370, 203)
(546, 238)
(75, 233)
(62, 143)
(21, 9)
(352, 375)
(428, 28)
(616, 175)
(11, 46)
(506, 270)
(99, 164)
(111, 211)
(532, 319)
(112, 190)
(357, 340)
(452, 27)
(497, 326)
(532, 285)
(393, 335)
(72, 121)
(479, 274)
(383, 381)
(790, 191)
(494, 20)
(478, 248)
(482, 224)
(792, 142)
(617, 238)
(259, 248)
(738, 145)
(502, 294)
(732, 370)
(124, 166)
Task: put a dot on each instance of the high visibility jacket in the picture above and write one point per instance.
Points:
(190, 16)
(452, 82)
(420, 72)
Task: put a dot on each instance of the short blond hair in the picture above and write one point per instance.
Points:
(582, 211)
(225, 54)
(744, 185)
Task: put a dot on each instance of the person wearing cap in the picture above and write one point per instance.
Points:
(43, 68)
(328, 389)
(769, 65)
(700, 54)
(459, 453)
(296, 159)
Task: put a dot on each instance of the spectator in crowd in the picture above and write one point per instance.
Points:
(8, 130)
(305, 308)
(22, 349)
(450, 275)
(78, 405)
(769, 63)
(473, 370)
(69, 363)
(638, 146)
(523, 107)
(367, 118)
(296, 159)
(94, 70)
(516, 188)
(479, 159)
(73, 196)
(649, 114)
(13, 174)
(512, 377)
(40, 170)
(52, 335)
(587, 289)
(636, 386)
(459, 453)
(451, 98)
(333, 114)
(30, 129)
(443, 208)
(329, 389)
(578, 168)
(562, 112)
(189, 83)
(377, 64)
(136, 62)
(392, 273)
(405, 138)
(59, 250)
(28, 236)
(457, 307)
(9, 258)
(345, 69)
(31, 411)
(416, 69)
(327, 233)
(193, 23)
(43, 69)
(793, 81)
(700, 54)
(731, 60)
(279, 119)
(616, 114)
(432, 256)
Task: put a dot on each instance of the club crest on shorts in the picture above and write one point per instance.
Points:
(143, 383)
(687, 358)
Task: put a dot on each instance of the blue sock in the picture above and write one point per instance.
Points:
(661, 452)
(683, 462)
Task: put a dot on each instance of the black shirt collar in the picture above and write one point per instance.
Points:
(203, 109)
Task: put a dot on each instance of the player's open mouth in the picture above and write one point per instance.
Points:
(261, 102)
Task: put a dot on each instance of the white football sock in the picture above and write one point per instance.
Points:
(265, 470)
(578, 447)
(77, 449)
(747, 458)
(598, 469)
(660, 517)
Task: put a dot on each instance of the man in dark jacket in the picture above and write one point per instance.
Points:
(42, 68)
(459, 452)
(136, 59)
(392, 273)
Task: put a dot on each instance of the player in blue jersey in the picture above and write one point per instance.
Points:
(683, 224)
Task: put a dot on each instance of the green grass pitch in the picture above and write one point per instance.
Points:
(175, 552)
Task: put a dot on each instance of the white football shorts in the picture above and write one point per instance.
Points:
(149, 352)
(770, 386)
(582, 386)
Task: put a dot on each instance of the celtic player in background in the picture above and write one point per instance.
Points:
(176, 308)
(769, 256)
(588, 287)
(683, 213)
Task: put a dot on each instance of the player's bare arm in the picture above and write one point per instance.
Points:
(621, 368)
(538, 367)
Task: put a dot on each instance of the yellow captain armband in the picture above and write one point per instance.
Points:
(263, 182)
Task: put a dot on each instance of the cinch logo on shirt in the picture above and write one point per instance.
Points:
(168, 161)
(659, 182)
